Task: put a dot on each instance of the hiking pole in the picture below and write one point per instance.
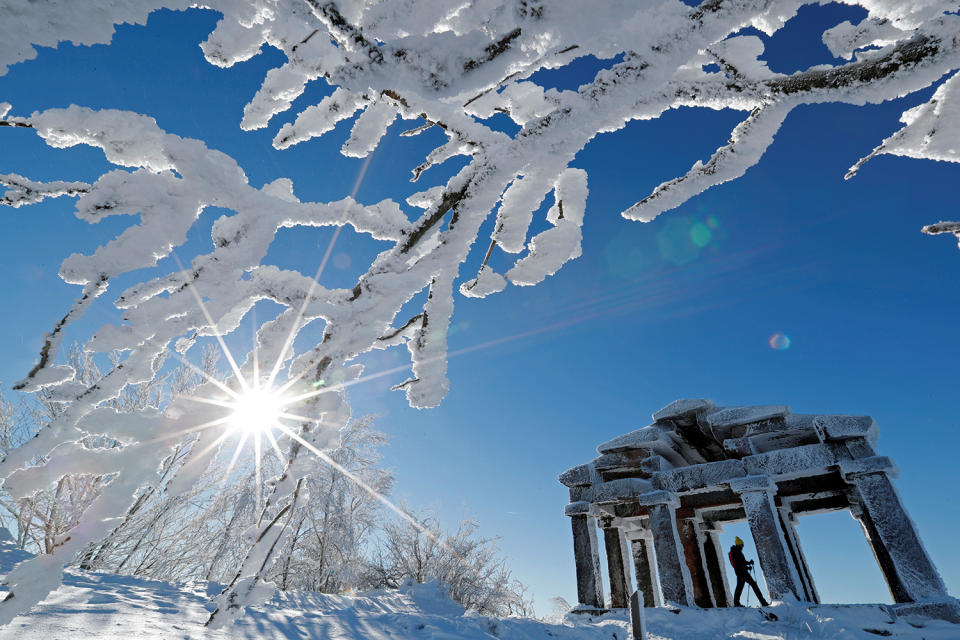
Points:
(750, 567)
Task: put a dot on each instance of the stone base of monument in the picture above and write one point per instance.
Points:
(583, 609)
(947, 609)
(637, 621)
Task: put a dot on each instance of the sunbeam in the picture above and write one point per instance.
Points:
(370, 490)
(192, 429)
(203, 374)
(233, 459)
(288, 342)
(213, 325)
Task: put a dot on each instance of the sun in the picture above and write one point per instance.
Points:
(256, 411)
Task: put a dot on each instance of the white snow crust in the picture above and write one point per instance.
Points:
(108, 607)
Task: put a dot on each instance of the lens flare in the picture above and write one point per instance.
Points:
(675, 243)
(700, 234)
(780, 342)
(256, 411)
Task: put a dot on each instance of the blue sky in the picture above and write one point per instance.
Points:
(684, 306)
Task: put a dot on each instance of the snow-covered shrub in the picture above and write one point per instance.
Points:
(468, 565)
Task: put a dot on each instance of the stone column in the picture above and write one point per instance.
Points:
(637, 622)
(909, 571)
(645, 568)
(715, 561)
(675, 580)
(783, 580)
(618, 567)
(690, 539)
(788, 522)
(587, 558)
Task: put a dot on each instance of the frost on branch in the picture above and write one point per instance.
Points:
(931, 130)
(319, 119)
(550, 249)
(49, 22)
(943, 227)
(23, 191)
(450, 67)
(369, 128)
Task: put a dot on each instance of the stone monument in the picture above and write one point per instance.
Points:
(661, 495)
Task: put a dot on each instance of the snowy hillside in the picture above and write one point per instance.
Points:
(101, 606)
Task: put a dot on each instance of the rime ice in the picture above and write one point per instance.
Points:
(669, 488)
(446, 66)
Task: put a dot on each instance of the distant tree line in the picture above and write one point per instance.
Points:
(342, 537)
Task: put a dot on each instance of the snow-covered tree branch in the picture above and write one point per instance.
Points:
(446, 65)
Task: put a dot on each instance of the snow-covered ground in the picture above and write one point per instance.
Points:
(107, 607)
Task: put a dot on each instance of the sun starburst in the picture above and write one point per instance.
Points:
(262, 407)
(256, 411)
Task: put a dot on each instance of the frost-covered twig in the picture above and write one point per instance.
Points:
(24, 191)
(248, 580)
(943, 227)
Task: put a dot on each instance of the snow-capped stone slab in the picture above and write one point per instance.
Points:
(739, 447)
(873, 464)
(577, 476)
(577, 508)
(654, 498)
(846, 427)
(783, 439)
(682, 408)
(795, 421)
(813, 458)
(654, 464)
(752, 483)
(620, 460)
(647, 437)
(918, 613)
(736, 416)
(655, 439)
(699, 476)
(620, 490)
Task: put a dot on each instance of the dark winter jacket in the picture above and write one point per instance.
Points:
(740, 564)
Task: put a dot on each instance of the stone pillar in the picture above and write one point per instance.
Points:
(645, 568)
(587, 558)
(909, 571)
(618, 567)
(637, 622)
(783, 580)
(788, 522)
(715, 561)
(675, 583)
(690, 539)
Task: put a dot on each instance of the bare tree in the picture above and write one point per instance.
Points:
(43, 518)
(468, 565)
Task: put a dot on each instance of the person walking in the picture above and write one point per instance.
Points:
(742, 567)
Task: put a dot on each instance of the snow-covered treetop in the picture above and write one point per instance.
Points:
(437, 63)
